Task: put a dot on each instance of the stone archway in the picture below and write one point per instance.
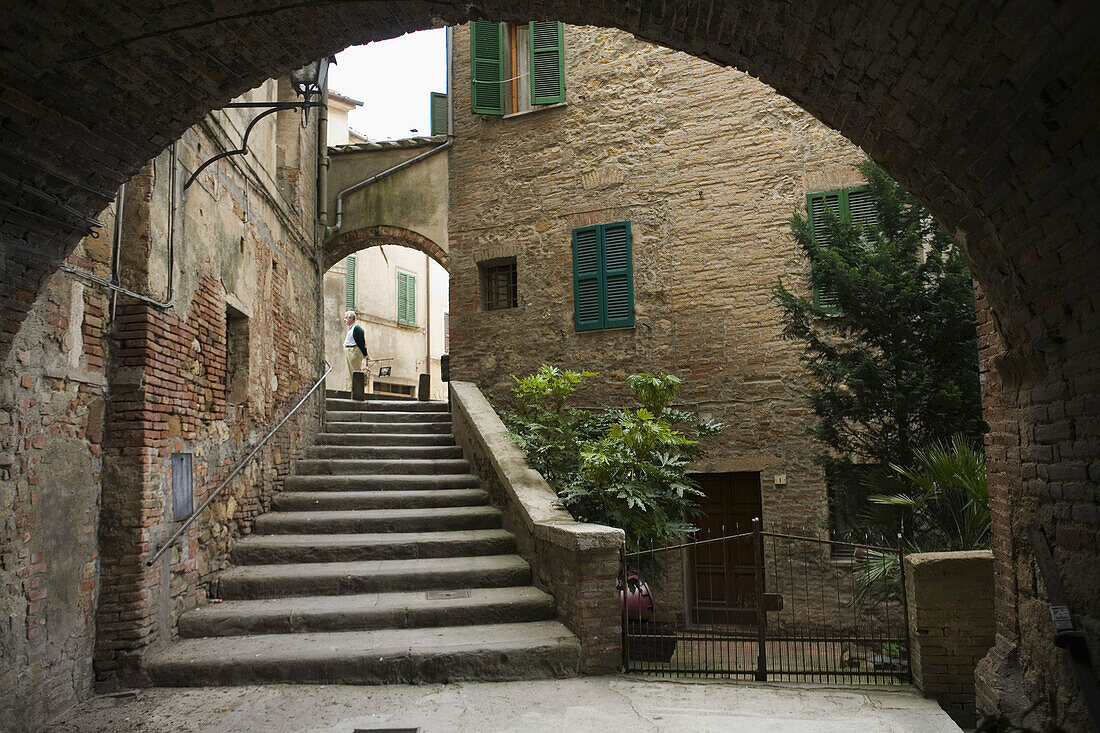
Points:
(985, 112)
(348, 243)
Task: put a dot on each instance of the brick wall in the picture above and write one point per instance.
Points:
(951, 625)
(51, 458)
(243, 249)
(708, 165)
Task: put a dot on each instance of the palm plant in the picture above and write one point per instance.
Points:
(943, 504)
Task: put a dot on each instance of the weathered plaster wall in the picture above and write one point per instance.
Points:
(376, 309)
(51, 436)
(187, 379)
(708, 165)
(413, 199)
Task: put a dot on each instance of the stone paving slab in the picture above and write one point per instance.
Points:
(579, 705)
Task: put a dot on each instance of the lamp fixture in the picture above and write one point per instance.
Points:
(308, 82)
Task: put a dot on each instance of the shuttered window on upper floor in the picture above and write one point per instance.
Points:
(406, 298)
(603, 279)
(349, 283)
(515, 67)
(854, 205)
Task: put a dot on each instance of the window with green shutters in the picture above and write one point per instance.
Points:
(487, 72)
(349, 283)
(438, 112)
(603, 279)
(852, 204)
(547, 47)
(516, 67)
(406, 298)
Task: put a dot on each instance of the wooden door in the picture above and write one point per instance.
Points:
(723, 573)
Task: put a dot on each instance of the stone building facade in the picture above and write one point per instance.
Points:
(707, 165)
(107, 398)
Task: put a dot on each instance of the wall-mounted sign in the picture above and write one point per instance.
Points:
(384, 371)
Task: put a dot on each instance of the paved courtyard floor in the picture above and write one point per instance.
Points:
(579, 705)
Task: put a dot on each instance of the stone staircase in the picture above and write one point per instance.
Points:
(380, 562)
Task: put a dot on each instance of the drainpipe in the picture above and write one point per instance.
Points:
(323, 161)
(428, 319)
(335, 228)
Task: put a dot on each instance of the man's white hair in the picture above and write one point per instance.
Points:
(349, 314)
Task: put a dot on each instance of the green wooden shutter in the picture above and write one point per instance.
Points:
(487, 72)
(439, 113)
(406, 298)
(547, 49)
(587, 279)
(349, 283)
(817, 204)
(618, 277)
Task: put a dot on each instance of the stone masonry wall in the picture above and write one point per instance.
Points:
(188, 380)
(708, 165)
(951, 625)
(51, 438)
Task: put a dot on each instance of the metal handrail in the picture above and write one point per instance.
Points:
(195, 514)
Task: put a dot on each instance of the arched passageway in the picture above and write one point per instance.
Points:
(985, 111)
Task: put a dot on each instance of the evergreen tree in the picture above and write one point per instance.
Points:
(894, 353)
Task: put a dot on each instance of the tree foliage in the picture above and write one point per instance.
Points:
(894, 363)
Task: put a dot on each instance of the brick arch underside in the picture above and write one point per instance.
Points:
(986, 111)
(351, 242)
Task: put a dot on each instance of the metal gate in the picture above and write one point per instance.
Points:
(803, 618)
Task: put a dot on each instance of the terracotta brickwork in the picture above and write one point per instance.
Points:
(707, 165)
(179, 383)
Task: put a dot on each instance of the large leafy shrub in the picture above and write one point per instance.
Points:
(626, 468)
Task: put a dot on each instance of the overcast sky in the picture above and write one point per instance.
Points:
(393, 79)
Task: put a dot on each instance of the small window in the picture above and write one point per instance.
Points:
(406, 298)
(236, 356)
(855, 205)
(498, 284)
(516, 67)
(603, 278)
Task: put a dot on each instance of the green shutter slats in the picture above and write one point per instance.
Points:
(487, 73)
(618, 285)
(586, 279)
(406, 298)
(438, 112)
(603, 288)
(861, 207)
(547, 51)
(349, 283)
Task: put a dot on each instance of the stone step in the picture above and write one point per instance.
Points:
(304, 501)
(369, 611)
(382, 439)
(388, 656)
(273, 549)
(381, 482)
(372, 405)
(386, 417)
(414, 428)
(359, 467)
(383, 451)
(346, 395)
(249, 582)
(379, 520)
